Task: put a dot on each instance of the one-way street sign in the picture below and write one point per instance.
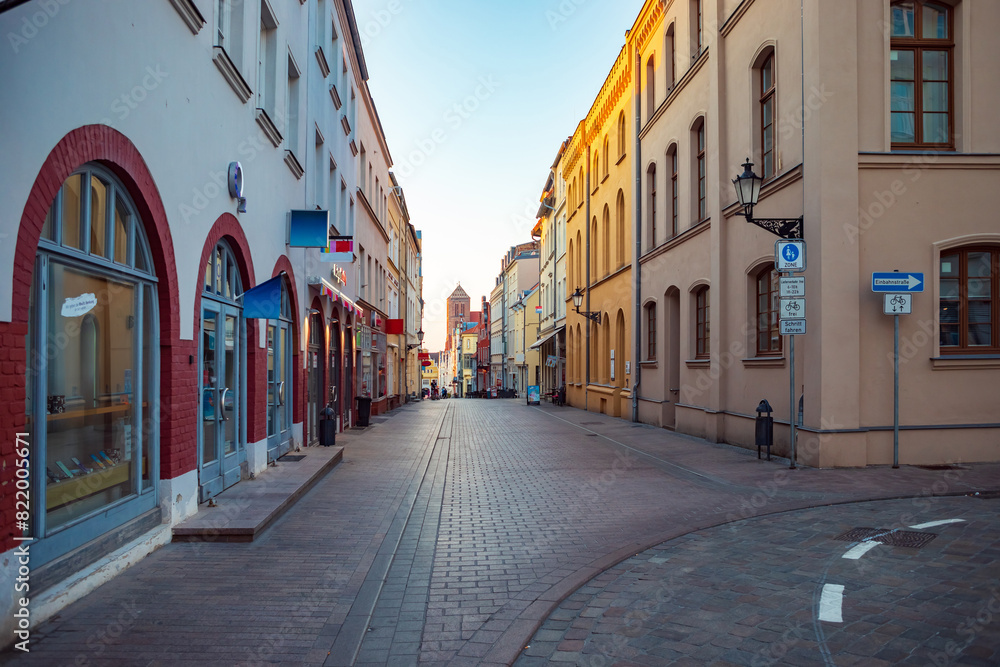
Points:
(893, 281)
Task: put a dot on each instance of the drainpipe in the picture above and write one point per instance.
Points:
(586, 226)
(637, 234)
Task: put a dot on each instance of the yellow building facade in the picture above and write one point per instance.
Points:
(598, 170)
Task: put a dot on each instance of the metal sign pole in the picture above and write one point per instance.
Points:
(791, 394)
(895, 395)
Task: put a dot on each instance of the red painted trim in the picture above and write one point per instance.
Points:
(228, 227)
(178, 400)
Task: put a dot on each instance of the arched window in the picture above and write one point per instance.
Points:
(583, 188)
(766, 114)
(620, 228)
(921, 74)
(697, 29)
(606, 343)
(651, 188)
(580, 275)
(700, 169)
(668, 53)
(651, 332)
(92, 383)
(622, 139)
(571, 269)
(621, 353)
(595, 174)
(970, 300)
(650, 87)
(593, 250)
(768, 335)
(702, 323)
(674, 191)
(606, 151)
(606, 246)
(594, 372)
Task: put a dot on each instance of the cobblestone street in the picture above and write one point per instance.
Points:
(460, 532)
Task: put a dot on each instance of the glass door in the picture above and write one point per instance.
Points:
(221, 352)
(314, 401)
(279, 369)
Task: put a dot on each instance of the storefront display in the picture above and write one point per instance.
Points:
(93, 331)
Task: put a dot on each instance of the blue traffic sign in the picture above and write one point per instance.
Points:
(897, 281)
(790, 255)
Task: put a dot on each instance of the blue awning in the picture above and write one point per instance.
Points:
(263, 301)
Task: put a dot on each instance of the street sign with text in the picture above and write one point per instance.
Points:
(791, 286)
(895, 281)
(792, 309)
(792, 327)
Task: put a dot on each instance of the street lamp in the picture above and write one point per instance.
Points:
(420, 340)
(748, 192)
(578, 301)
(748, 186)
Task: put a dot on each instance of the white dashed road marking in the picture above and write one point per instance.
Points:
(931, 524)
(860, 550)
(830, 603)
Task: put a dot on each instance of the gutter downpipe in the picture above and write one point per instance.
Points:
(637, 233)
(586, 226)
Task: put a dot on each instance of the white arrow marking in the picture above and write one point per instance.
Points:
(931, 524)
(831, 602)
(860, 550)
(912, 281)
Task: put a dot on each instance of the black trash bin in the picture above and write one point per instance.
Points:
(364, 409)
(327, 427)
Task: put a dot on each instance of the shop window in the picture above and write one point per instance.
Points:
(91, 386)
(969, 302)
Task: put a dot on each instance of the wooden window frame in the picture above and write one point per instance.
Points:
(651, 332)
(703, 323)
(674, 185)
(963, 346)
(651, 174)
(918, 45)
(701, 168)
(769, 315)
(767, 97)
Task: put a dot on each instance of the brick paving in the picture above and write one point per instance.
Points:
(454, 530)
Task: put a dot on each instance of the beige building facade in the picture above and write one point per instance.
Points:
(875, 121)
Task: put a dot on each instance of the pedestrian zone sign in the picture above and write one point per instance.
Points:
(790, 255)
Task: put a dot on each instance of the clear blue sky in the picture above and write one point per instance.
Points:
(475, 99)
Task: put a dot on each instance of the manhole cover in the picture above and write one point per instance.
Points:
(591, 435)
(940, 467)
(891, 537)
(286, 458)
(590, 423)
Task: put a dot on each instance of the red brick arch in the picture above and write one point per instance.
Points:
(177, 409)
(228, 227)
